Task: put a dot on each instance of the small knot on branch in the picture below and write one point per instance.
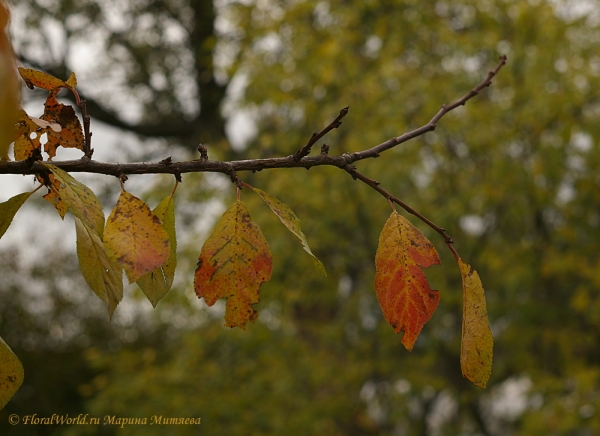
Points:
(166, 162)
(234, 178)
(203, 151)
(325, 149)
(177, 175)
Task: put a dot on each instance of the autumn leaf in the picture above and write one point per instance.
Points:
(71, 133)
(135, 238)
(72, 80)
(53, 195)
(402, 289)
(25, 145)
(78, 198)
(157, 283)
(477, 343)
(11, 373)
(291, 221)
(9, 208)
(40, 79)
(234, 262)
(101, 273)
(9, 91)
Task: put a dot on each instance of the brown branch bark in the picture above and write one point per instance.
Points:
(231, 168)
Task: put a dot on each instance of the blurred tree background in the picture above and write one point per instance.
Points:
(513, 176)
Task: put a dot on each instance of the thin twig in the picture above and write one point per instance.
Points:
(316, 136)
(391, 198)
(392, 142)
(88, 151)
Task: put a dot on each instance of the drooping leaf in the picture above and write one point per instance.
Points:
(157, 283)
(40, 79)
(135, 238)
(53, 195)
(70, 134)
(101, 273)
(477, 345)
(9, 208)
(291, 221)
(11, 373)
(78, 198)
(402, 289)
(235, 260)
(9, 91)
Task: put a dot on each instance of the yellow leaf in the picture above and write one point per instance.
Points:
(477, 343)
(79, 199)
(40, 79)
(291, 221)
(72, 80)
(25, 146)
(134, 237)
(11, 373)
(9, 208)
(402, 289)
(100, 272)
(157, 283)
(234, 262)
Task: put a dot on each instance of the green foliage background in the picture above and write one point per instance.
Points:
(512, 176)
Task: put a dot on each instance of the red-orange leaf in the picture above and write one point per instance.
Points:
(235, 260)
(402, 289)
(135, 238)
(477, 344)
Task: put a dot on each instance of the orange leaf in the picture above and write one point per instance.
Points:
(53, 195)
(477, 345)
(235, 260)
(70, 134)
(402, 289)
(135, 238)
(40, 79)
(9, 91)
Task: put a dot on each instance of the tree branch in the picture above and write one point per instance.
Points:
(392, 142)
(316, 136)
(298, 160)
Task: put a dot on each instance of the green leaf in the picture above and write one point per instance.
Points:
(135, 238)
(291, 221)
(157, 283)
(80, 200)
(9, 208)
(11, 373)
(101, 273)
